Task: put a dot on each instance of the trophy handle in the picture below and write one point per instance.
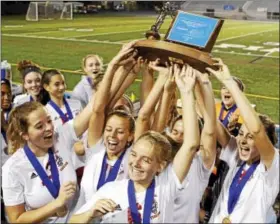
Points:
(153, 33)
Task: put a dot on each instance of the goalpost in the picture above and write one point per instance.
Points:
(49, 10)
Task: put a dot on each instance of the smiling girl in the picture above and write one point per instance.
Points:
(252, 182)
(39, 180)
(31, 76)
(148, 195)
(92, 66)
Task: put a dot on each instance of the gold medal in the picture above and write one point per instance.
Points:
(226, 220)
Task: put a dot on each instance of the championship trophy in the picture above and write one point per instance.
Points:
(189, 39)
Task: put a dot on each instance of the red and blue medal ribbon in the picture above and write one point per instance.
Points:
(63, 117)
(229, 112)
(113, 172)
(53, 187)
(149, 199)
(237, 186)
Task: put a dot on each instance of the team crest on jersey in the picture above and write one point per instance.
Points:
(155, 209)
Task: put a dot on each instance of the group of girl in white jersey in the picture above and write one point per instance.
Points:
(150, 170)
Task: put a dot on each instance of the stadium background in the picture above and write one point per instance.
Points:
(249, 45)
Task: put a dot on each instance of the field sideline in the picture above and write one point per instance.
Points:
(251, 49)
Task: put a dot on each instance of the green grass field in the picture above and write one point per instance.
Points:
(251, 49)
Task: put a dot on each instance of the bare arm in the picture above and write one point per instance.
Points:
(102, 98)
(129, 79)
(223, 135)
(146, 84)
(18, 214)
(161, 114)
(251, 120)
(208, 135)
(143, 119)
(183, 159)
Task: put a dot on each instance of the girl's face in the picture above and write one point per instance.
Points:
(92, 67)
(142, 162)
(56, 87)
(6, 97)
(246, 145)
(227, 98)
(32, 83)
(177, 132)
(40, 130)
(117, 134)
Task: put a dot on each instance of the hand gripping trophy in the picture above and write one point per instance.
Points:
(189, 39)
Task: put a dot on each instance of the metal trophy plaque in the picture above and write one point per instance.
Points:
(190, 39)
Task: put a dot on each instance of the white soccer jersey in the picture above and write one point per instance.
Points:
(21, 183)
(93, 169)
(257, 196)
(21, 99)
(83, 91)
(76, 108)
(187, 202)
(74, 105)
(167, 186)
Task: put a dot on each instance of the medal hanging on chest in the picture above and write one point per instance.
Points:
(149, 199)
(52, 186)
(63, 117)
(237, 186)
(113, 172)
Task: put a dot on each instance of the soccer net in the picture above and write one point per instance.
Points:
(49, 10)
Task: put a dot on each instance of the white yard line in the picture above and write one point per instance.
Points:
(245, 35)
(99, 34)
(63, 39)
(244, 54)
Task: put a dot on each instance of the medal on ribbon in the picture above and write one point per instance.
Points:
(52, 186)
(113, 172)
(63, 117)
(149, 199)
(237, 186)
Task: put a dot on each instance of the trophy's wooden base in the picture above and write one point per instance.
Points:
(171, 52)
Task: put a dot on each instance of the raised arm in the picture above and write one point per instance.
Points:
(129, 79)
(251, 119)
(147, 83)
(102, 97)
(161, 115)
(183, 159)
(145, 113)
(207, 106)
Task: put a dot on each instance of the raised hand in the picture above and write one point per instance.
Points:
(138, 65)
(66, 192)
(170, 84)
(154, 65)
(223, 73)
(186, 79)
(102, 207)
(126, 55)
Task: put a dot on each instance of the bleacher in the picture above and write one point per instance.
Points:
(262, 9)
(257, 9)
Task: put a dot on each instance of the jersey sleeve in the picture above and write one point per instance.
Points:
(169, 181)
(13, 192)
(271, 177)
(202, 171)
(102, 193)
(228, 154)
(66, 134)
(79, 93)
